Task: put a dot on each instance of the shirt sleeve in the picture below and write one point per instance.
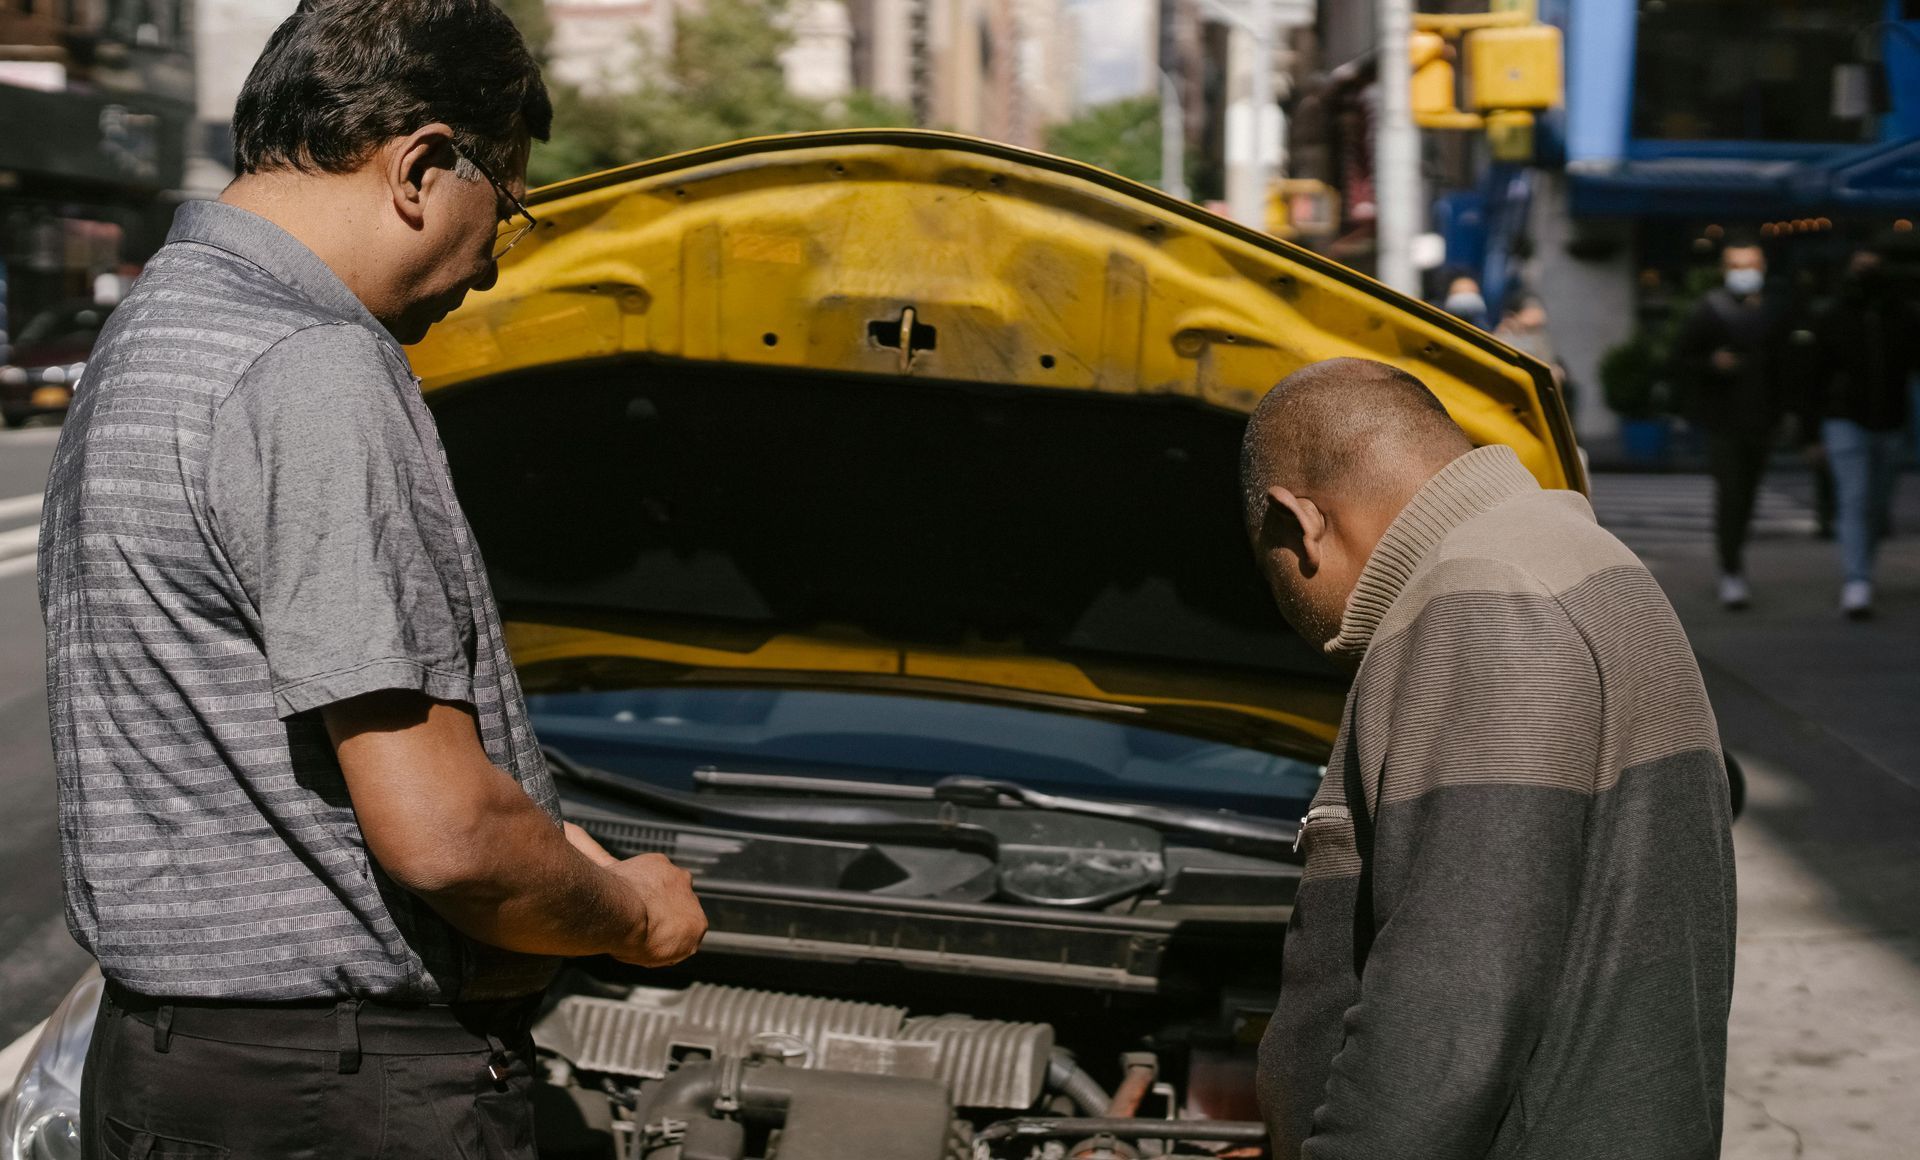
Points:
(323, 500)
(1491, 767)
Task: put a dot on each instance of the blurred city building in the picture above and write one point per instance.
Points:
(1004, 69)
(889, 39)
(228, 37)
(97, 100)
(1692, 121)
(1685, 123)
(819, 62)
(603, 44)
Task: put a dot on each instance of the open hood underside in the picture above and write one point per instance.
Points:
(855, 270)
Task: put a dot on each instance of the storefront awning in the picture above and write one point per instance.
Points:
(1856, 179)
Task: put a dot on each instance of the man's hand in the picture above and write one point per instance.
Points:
(675, 920)
(1725, 361)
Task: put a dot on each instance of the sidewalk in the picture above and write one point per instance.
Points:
(1824, 1051)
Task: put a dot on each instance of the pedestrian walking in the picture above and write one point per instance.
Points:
(1854, 418)
(1524, 328)
(307, 830)
(1514, 936)
(1732, 358)
(1465, 301)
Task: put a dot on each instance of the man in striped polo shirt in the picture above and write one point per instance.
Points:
(306, 827)
(1515, 933)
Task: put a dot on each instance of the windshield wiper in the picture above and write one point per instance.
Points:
(828, 818)
(1237, 830)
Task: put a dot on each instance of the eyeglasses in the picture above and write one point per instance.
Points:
(510, 239)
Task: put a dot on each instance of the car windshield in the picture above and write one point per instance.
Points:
(663, 735)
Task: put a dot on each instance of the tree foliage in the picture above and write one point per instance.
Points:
(721, 80)
(1120, 136)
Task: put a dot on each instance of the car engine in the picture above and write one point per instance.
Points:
(716, 1072)
(895, 979)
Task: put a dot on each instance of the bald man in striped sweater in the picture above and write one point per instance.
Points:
(1515, 934)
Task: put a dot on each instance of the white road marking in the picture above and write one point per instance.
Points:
(31, 435)
(14, 1056)
(21, 505)
(19, 541)
(1652, 511)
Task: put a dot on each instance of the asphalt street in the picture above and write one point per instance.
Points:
(38, 959)
(1825, 1043)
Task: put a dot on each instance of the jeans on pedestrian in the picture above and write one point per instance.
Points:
(1866, 467)
(1737, 461)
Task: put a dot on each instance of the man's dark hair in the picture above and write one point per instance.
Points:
(340, 77)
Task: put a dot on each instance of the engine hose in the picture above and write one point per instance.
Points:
(684, 1094)
(1068, 1078)
(1141, 1070)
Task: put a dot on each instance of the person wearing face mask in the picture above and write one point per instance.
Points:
(1465, 301)
(1730, 358)
(1869, 346)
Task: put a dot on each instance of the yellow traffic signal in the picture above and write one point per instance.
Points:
(1515, 68)
(1433, 80)
(1302, 208)
(1510, 135)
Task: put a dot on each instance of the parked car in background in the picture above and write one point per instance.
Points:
(862, 508)
(48, 358)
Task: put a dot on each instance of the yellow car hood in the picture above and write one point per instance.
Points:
(903, 257)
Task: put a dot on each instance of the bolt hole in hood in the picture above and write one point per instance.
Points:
(909, 459)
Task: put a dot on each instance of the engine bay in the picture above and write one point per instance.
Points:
(713, 1071)
(893, 974)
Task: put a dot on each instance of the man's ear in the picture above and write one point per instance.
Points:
(411, 165)
(1297, 524)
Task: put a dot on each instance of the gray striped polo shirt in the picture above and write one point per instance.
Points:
(249, 517)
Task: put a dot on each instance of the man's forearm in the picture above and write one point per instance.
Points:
(520, 885)
(449, 826)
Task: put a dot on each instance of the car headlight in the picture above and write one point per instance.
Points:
(13, 376)
(42, 1119)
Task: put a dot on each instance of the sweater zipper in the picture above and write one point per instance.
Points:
(1318, 814)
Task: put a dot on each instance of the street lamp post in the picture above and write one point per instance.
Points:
(1173, 116)
(1253, 135)
(1396, 166)
(1251, 208)
(1173, 138)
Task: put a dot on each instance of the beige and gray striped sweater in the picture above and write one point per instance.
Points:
(1515, 934)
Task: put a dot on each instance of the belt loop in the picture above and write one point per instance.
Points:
(163, 1028)
(498, 1062)
(346, 1020)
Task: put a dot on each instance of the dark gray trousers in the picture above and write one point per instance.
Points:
(1738, 462)
(159, 1085)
